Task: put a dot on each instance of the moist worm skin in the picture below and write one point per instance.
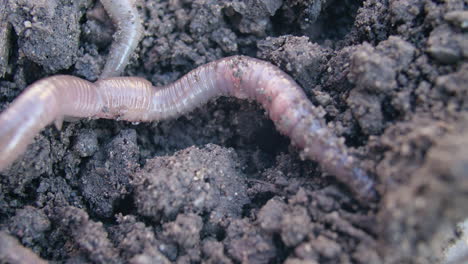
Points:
(129, 33)
(135, 99)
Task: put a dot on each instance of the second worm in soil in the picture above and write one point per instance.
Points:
(135, 99)
(129, 33)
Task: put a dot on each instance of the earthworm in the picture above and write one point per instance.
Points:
(135, 99)
(129, 33)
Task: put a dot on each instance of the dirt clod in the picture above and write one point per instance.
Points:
(199, 180)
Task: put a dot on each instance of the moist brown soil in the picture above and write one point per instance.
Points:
(221, 185)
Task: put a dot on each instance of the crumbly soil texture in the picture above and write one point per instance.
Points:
(221, 185)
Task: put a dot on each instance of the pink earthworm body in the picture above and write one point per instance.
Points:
(135, 99)
(129, 33)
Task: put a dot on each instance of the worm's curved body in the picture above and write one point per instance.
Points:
(129, 33)
(135, 99)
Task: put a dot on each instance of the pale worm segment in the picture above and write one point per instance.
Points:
(129, 33)
(135, 99)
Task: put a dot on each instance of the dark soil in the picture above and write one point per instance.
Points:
(221, 185)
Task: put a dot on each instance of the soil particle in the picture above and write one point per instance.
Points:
(245, 243)
(184, 232)
(293, 224)
(374, 75)
(409, 146)
(337, 68)
(455, 84)
(269, 217)
(328, 248)
(89, 65)
(299, 261)
(371, 71)
(226, 40)
(300, 57)
(38, 160)
(398, 50)
(48, 36)
(5, 30)
(198, 180)
(312, 11)
(106, 177)
(21, 173)
(423, 237)
(56, 192)
(457, 18)
(378, 74)
(446, 46)
(89, 239)
(134, 239)
(150, 256)
(29, 225)
(97, 31)
(318, 19)
(405, 11)
(253, 15)
(214, 252)
(367, 110)
(206, 16)
(371, 22)
(86, 143)
(177, 38)
(303, 229)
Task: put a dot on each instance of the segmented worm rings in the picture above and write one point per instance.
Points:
(135, 99)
